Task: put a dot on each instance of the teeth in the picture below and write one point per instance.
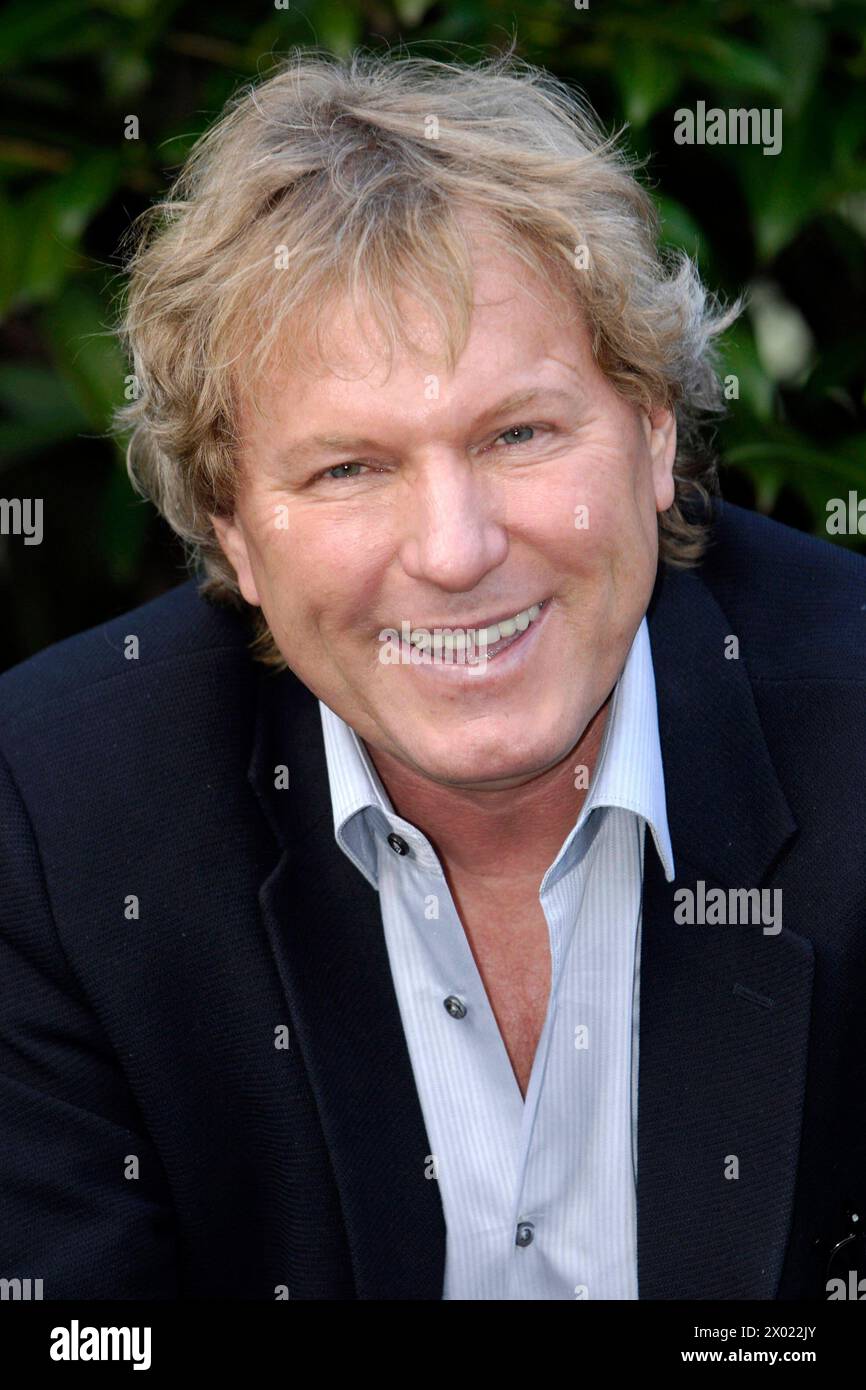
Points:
(460, 638)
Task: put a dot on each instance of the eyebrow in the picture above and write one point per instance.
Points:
(314, 444)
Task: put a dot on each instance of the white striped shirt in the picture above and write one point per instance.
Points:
(539, 1196)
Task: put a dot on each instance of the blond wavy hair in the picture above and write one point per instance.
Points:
(356, 172)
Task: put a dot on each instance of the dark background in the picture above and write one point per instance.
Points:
(790, 227)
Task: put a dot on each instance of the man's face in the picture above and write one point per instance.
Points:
(444, 506)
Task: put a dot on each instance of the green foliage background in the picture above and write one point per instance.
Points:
(791, 227)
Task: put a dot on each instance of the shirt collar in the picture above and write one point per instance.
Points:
(628, 774)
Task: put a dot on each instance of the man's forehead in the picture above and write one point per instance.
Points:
(518, 366)
(522, 306)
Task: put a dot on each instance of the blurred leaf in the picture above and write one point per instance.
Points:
(412, 11)
(784, 341)
(846, 135)
(43, 263)
(88, 357)
(127, 73)
(9, 260)
(838, 363)
(852, 207)
(276, 31)
(125, 519)
(31, 392)
(647, 79)
(27, 27)
(339, 26)
(23, 439)
(854, 448)
(31, 156)
(784, 191)
(817, 490)
(679, 227)
(52, 218)
(768, 479)
(467, 22)
(29, 88)
(796, 43)
(739, 354)
(130, 9)
(41, 411)
(82, 192)
(794, 453)
(727, 63)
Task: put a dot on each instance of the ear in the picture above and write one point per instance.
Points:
(233, 543)
(661, 432)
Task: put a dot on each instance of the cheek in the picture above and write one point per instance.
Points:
(314, 576)
(622, 487)
(591, 509)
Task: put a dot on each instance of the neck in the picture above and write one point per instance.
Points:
(496, 835)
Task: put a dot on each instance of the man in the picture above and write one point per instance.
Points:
(342, 965)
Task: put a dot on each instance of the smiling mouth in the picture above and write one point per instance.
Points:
(452, 642)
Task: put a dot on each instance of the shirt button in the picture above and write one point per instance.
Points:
(525, 1233)
(398, 845)
(455, 1006)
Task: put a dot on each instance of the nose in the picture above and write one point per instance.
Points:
(452, 534)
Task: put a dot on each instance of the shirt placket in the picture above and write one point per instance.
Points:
(458, 1056)
(537, 1213)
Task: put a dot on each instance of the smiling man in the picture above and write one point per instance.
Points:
(460, 512)
(342, 950)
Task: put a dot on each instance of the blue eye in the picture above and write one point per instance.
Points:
(518, 429)
(331, 471)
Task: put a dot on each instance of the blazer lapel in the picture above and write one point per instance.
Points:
(324, 926)
(724, 1010)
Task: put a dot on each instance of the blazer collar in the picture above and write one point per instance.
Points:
(724, 1010)
(727, 813)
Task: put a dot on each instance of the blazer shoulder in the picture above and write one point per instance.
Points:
(170, 632)
(118, 748)
(796, 601)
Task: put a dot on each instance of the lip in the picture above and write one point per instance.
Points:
(492, 671)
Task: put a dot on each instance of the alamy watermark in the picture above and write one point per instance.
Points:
(20, 1290)
(22, 516)
(736, 126)
(420, 646)
(77, 1343)
(736, 907)
(846, 518)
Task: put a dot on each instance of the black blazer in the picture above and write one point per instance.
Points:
(263, 1170)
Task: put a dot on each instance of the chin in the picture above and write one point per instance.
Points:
(469, 761)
